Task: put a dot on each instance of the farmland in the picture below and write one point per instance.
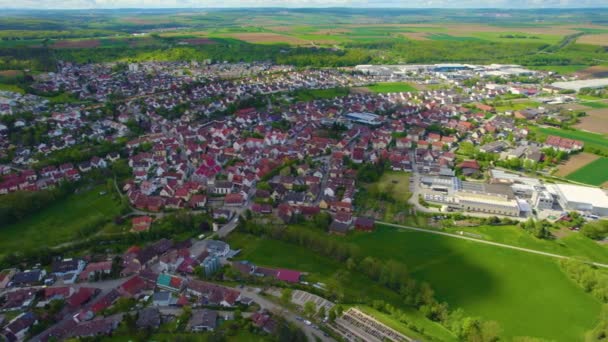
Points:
(72, 218)
(574, 163)
(593, 173)
(596, 120)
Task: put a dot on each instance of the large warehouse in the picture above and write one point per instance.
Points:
(582, 198)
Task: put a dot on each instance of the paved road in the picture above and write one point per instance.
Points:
(502, 245)
(311, 333)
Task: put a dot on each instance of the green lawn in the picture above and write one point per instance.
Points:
(61, 222)
(314, 94)
(527, 294)
(592, 140)
(392, 87)
(575, 245)
(12, 87)
(593, 173)
(398, 183)
(273, 253)
(512, 105)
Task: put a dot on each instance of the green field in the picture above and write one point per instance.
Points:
(61, 222)
(397, 183)
(527, 294)
(392, 87)
(561, 69)
(575, 244)
(516, 104)
(273, 253)
(314, 94)
(12, 87)
(595, 104)
(484, 280)
(593, 173)
(592, 140)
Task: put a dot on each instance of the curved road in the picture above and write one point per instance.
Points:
(497, 244)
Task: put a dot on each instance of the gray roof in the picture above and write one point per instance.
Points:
(204, 318)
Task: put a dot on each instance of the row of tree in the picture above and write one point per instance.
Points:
(590, 278)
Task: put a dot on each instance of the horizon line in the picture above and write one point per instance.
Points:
(298, 8)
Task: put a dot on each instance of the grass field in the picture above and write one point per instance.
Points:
(561, 69)
(490, 282)
(593, 173)
(595, 104)
(516, 104)
(392, 87)
(575, 244)
(574, 163)
(314, 94)
(591, 140)
(12, 87)
(62, 222)
(272, 253)
(398, 183)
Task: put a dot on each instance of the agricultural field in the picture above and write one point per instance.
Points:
(597, 71)
(574, 163)
(67, 220)
(593, 173)
(391, 87)
(596, 120)
(594, 39)
(592, 141)
(266, 38)
(489, 282)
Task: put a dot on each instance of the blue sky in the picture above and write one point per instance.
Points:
(91, 4)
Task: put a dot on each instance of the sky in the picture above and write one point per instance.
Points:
(99, 4)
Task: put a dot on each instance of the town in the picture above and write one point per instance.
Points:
(236, 143)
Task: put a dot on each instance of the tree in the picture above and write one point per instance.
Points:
(286, 295)
(310, 309)
(321, 312)
(332, 315)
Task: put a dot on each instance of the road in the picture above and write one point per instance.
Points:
(311, 333)
(496, 244)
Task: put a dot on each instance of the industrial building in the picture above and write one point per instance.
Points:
(365, 118)
(581, 198)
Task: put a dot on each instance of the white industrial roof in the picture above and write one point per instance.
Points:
(578, 85)
(583, 194)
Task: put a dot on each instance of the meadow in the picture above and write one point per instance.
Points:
(490, 282)
(391, 87)
(485, 281)
(593, 173)
(73, 218)
(572, 244)
(356, 287)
